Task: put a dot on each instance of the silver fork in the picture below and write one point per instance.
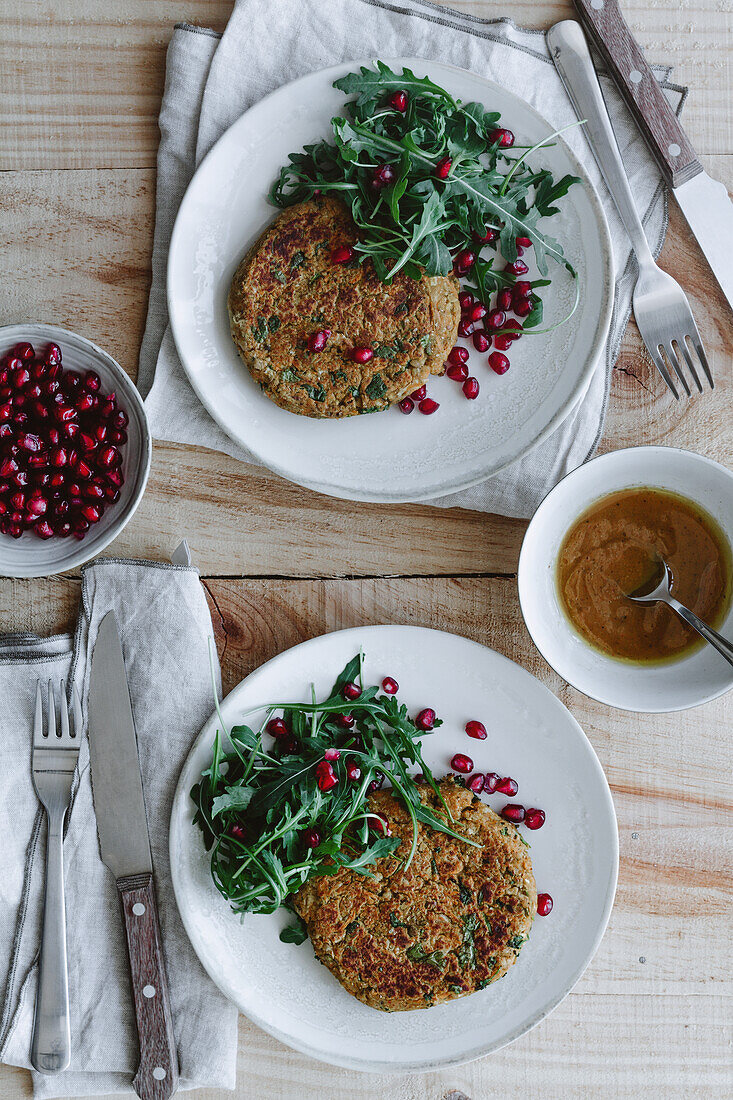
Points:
(661, 308)
(55, 753)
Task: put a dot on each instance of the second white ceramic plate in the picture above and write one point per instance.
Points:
(533, 738)
(388, 457)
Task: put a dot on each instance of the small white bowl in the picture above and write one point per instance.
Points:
(677, 685)
(30, 556)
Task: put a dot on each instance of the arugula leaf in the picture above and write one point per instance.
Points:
(295, 933)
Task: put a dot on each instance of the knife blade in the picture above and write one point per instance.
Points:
(124, 846)
(704, 201)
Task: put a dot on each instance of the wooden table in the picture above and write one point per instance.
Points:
(81, 84)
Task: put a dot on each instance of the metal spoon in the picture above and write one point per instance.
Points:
(662, 594)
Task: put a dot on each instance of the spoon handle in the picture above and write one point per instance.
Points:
(717, 641)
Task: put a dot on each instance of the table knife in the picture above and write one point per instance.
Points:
(125, 849)
(703, 200)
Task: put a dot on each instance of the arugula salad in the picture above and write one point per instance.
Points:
(433, 186)
(287, 801)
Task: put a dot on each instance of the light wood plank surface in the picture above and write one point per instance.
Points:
(81, 83)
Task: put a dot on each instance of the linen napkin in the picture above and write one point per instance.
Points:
(211, 81)
(165, 629)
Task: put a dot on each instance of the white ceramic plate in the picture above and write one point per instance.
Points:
(388, 457)
(533, 738)
(695, 679)
(30, 556)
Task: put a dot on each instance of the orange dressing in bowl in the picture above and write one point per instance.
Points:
(614, 547)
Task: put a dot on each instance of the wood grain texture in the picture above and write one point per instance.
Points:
(157, 1075)
(644, 97)
(81, 82)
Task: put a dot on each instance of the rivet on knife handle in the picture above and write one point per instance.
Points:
(640, 88)
(157, 1075)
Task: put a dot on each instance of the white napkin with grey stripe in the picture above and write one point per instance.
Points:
(211, 80)
(165, 628)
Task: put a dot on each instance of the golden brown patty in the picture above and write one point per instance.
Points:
(288, 287)
(450, 924)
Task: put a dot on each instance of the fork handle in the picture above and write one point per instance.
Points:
(51, 1042)
(157, 1074)
(569, 50)
(717, 641)
(640, 88)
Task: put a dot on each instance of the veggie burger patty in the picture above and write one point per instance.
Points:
(451, 923)
(287, 288)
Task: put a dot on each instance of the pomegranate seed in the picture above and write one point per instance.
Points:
(342, 254)
(331, 754)
(465, 328)
(507, 785)
(6, 411)
(362, 354)
(115, 476)
(92, 381)
(110, 456)
(443, 167)
(503, 343)
(399, 101)
(83, 470)
(504, 137)
(534, 819)
(516, 326)
(353, 771)
(24, 351)
(498, 362)
(324, 776)
(491, 780)
(465, 260)
(496, 319)
(238, 832)
(277, 727)
(462, 763)
(513, 812)
(317, 340)
(87, 442)
(476, 730)
(350, 690)
(425, 720)
(64, 413)
(382, 176)
(43, 529)
(120, 419)
(476, 783)
(390, 685)
(521, 289)
(86, 402)
(524, 242)
(311, 838)
(64, 530)
(471, 389)
(406, 405)
(29, 442)
(488, 235)
(8, 466)
(481, 341)
(519, 267)
(522, 307)
(378, 823)
(345, 721)
(93, 492)
(18, 501)
(458, 355)
(504, 299)
(377, 782)
(544, 905)
(100, 433)
(20, 378)
(112, 494)
(478, 312)
(466, 300)
(71, 381)
(92, 512)
(52, 355)
(458, 373)
(418, 394)
(428, 406)
(37, 505)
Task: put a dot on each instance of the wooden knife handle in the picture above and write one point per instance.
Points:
(640, 88)
(157, 1074)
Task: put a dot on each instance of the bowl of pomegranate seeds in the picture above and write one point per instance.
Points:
(75, 450)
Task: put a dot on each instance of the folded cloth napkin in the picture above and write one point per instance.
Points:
(211, 81)
(165, 629)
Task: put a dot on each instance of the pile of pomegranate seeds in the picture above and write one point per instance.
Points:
(60, 439)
